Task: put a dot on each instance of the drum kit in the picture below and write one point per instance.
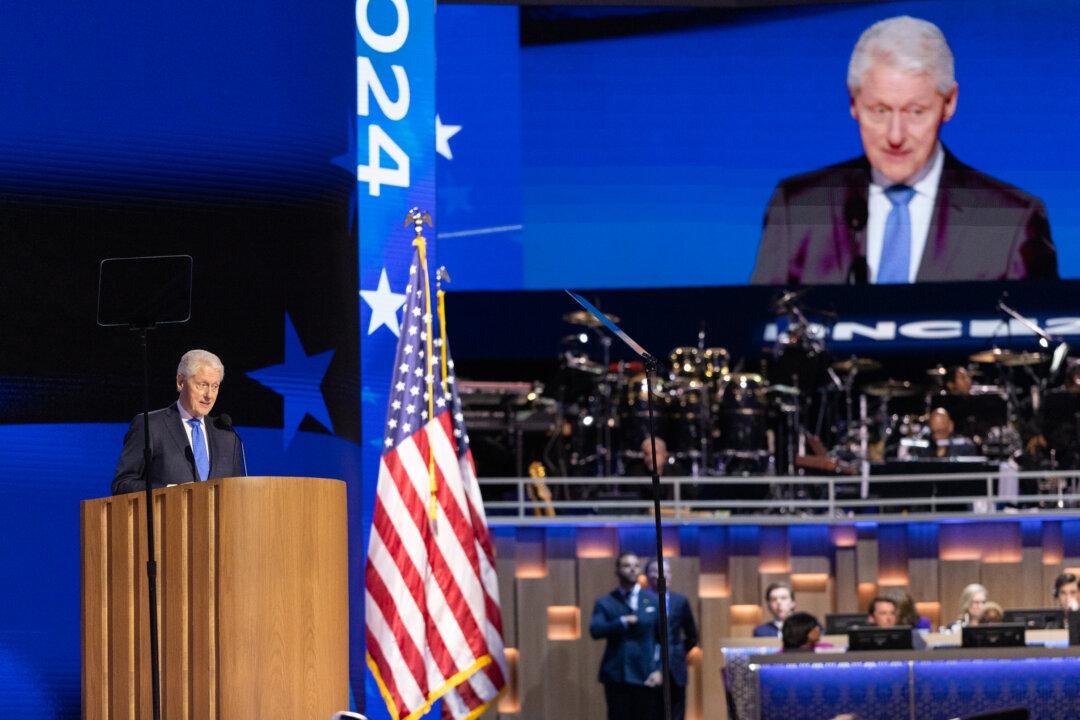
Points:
(719, 418)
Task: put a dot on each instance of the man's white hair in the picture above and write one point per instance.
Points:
(192, 360)
(908, 44)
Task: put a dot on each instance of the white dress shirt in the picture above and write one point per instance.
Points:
(920, 209)
(184, 417)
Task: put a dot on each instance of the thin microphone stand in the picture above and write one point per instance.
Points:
(151, 564)
(651, 366)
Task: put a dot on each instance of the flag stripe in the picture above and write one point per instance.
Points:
(433, 623)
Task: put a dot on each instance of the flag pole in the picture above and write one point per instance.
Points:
(418, 218)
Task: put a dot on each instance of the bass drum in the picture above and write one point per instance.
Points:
(741, 416)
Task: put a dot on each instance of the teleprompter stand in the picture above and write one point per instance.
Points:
(141, 293)
(651, 366)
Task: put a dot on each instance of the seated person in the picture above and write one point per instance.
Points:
(642, 466)
(1067, 591)
(941, 440)
(780, 599)
(972, 602)
(992, 613)
(959, 381)
(801, 632)
(883, 612)
(906, 614)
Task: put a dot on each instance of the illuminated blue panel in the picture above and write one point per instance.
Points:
(1047, 687)
(810, 540)
(1070, 535)
(879, 691)
(922, 540)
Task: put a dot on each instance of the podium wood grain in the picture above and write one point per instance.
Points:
(253, 598)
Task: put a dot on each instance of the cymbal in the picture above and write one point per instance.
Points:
(581, 317)
(1025, 358)
(938, 371)
(779, 389)
(856, 364)
(892, 388)
(583, 364)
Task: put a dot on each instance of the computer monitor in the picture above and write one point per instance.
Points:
(876, 638)
(993, 635)
(840, 623)
(1037, 618)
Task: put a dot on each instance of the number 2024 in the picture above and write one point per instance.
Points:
(368, 85)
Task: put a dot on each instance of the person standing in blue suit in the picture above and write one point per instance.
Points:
(682, 637)
(628, 618)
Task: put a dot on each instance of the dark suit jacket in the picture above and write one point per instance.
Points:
(766, 630)
(172, 461)
(981, 229)
(631, 652)
(682, 635)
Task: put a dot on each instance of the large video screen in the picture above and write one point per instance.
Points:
(622, 148)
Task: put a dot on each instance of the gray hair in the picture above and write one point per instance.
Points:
(908, 44)
(192, 360)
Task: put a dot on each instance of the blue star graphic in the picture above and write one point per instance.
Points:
(298, 380)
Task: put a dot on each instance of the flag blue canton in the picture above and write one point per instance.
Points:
(408, 408)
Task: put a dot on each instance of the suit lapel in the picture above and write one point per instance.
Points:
(174, 429)
(945, 227)
(849, 202)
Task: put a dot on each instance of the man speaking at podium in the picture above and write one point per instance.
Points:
(908, 210)
(186, 444)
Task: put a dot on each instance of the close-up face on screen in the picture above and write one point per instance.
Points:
(657, 147)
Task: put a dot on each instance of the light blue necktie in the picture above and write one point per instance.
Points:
(198, 447)
(896, 249)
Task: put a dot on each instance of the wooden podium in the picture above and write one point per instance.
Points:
(253, 598)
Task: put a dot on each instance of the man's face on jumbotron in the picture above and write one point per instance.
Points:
(900, 117)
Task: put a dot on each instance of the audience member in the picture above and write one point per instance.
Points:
(972, 600)
(882, 612)
(1067, 591)
(801, 632)
(992, 613)
(682, 636)
(780, 599)
(906, 613)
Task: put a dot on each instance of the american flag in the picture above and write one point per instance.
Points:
(433, 624)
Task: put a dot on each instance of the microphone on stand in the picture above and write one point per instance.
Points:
(856, 212)
(224, 422)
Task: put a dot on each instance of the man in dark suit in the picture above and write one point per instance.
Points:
(682, 637)
(908, 210)
(780, 599)
(627, 618)
(186, 445)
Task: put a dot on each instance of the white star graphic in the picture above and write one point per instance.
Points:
(384, 304)
(443, 133)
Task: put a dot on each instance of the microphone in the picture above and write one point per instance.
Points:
(224, 422)
(856, 212)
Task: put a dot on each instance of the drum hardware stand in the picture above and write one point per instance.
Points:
(652, 366)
